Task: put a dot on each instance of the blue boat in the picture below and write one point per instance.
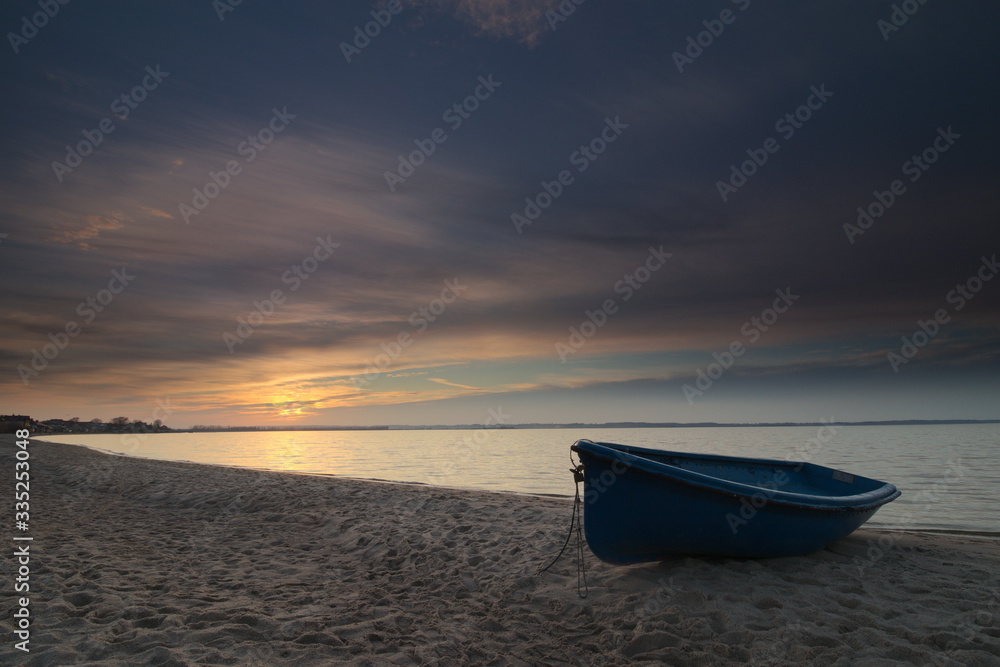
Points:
(647, 504)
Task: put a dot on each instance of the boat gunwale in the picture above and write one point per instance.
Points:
(860, 502)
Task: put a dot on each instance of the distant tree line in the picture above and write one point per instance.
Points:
(98, 425)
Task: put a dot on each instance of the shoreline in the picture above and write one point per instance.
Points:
(877, 523)
(177, 563)
(323, 475)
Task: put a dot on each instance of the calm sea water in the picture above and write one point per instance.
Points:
(948, 474)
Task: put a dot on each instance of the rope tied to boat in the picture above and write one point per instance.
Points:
(576, 523)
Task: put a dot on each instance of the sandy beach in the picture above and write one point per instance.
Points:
(156, 563)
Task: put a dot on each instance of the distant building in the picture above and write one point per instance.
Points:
(63, 426)
(11, 423)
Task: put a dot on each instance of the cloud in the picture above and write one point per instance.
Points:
(92, 228)
(523, 20)
(324, 178)
(155, 212)
(452, 384)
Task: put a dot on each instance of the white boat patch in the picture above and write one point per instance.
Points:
(843, 476)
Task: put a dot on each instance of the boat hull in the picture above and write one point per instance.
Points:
(646, 505)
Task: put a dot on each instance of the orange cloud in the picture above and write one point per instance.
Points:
(452, 384)
(94, 225)
(155, 212)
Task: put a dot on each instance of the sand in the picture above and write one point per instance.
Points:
(156, 563)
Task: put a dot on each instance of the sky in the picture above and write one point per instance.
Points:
(458, 211)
